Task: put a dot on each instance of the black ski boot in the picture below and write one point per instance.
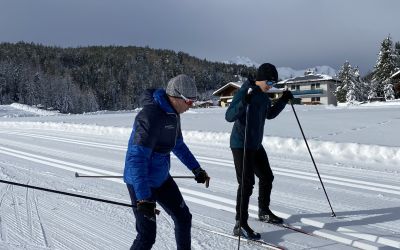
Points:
(245, 231)
(268, 216)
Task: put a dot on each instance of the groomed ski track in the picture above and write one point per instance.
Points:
(34, 219)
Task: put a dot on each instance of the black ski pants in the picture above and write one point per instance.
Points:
(170, 199)
(256, 163)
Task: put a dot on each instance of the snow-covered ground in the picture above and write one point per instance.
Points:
(356, 149)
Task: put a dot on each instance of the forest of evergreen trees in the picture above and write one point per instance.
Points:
(76, 80)
(85, 79)
(377, 85)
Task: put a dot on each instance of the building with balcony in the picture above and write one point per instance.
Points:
(312, 88)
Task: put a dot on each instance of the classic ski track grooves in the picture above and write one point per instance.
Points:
(16, 230)
(15, 204)
(29, 214)
(3, 229)
(229, 163)
(71, 225)
(90, 170)
(46, 239)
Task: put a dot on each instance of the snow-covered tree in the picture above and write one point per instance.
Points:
(351, 95)
(357, 89)
(351, 87)
(345, 76)
(384, 68)
(372, 90)
(389, 90)
(361, 88)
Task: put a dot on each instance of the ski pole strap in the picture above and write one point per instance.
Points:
(65, 193)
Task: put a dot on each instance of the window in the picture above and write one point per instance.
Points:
(295, 87)
(315, 86)
(315, 99)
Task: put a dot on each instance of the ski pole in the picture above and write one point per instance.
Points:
(65, 193)
(243, 168)
(312, 158)
(78, 175)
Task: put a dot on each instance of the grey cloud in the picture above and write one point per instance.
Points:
(291, 33)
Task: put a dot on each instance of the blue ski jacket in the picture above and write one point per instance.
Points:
(260, 109)
(156, 132)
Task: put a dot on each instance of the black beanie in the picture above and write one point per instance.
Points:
(267, 72)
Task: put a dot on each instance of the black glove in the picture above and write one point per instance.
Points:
(286, 96)
(147, 208)
(200, 175)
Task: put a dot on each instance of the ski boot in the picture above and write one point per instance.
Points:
(268, 216)
(245, 231)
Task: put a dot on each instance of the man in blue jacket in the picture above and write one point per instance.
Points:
(156, 132)
(253, 94)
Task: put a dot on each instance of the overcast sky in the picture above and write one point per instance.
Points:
(287, 33)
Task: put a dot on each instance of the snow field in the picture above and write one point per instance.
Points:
(361, 180)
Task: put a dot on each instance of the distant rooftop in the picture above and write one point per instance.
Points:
(234, 84)
(310, 77)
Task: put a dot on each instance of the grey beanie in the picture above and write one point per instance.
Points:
(182, 84)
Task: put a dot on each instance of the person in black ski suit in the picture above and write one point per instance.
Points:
(260, 108)
(156, 132)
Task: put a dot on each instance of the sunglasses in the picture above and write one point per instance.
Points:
(188, 101)
(270, 83)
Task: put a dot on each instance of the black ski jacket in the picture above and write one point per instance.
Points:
(260, 109)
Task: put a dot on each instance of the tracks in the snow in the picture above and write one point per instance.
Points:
(20, 222)
(32, 211)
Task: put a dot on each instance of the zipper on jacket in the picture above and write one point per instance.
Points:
(176, 131)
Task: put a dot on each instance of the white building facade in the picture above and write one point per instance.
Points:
(312, 88)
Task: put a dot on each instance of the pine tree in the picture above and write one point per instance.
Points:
(344, 75)
(361, 87)
(384, 68)
(373, 86)
(351, 88)
(389, 90)
(351, 95)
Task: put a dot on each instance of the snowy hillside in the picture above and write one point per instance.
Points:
(355, 147)
(287, 72)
